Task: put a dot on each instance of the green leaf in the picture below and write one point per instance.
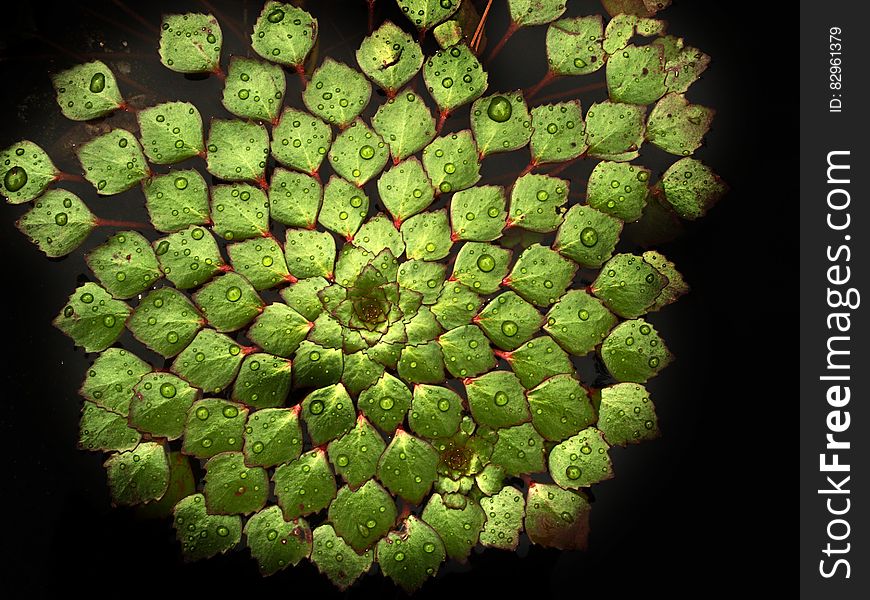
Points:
(101, 429)
(254, 89)
(676, 287)
(273, 435)
(678, 127)
(634, 352)
(300, 140)
(626, 415)
(615, 131)
(559, 132)
(58, 223)
(304, 486)
(231, 487)
(407, 467)
(336, 559)
(237, 150)
(636, 74)
(448, 33)
(261, 261)
(525, 13)
(284, 34)
(191, 43)
(481, 266)
(425, 14)
(410, 556)
(466, 351)
(435, 411)
(87, 91)
(574, 45)
(229, 302)
(501, 123)
(360, 372)
(390, 57)
(26, 171)
(165, 321)
(276, 543)
(294, 198)
(497, 399)
(363, 516)
(537, 201)
(386, 402)
(452, 162)
(213, 426)
(358, 153)
(210, 362)
(628, 285)
(641, 8)
(188, 257)
(509, 321)
(355, 454)
(454, 77)
(222, 532)
(405, 189)
(619, 32)
(302, 296)
(427, 236)
(181, 485)
(171, 132)
(557, 518)
(691, 188)
(422, 327)
(176, 200)
(316, 366)
(684, 64)
(458, 529)
(113, 162)
(519, 450)
(423, 363)
(379, 233)
(345, 207)
(537, 360)
(618, 189)
(110, 380)
(138, 476)
(491, 480)
(263, 381)
(92, 318)
(541, 275)
(406, 124)
(160, 404)
(309, 253)
(560, 407)
(423, 277)
(125, 265)
(581, 460)
(587, 236)
(579, 322)
(336, 93)
(504, 520)
(456, 305)
(478, 213)
(328, 413)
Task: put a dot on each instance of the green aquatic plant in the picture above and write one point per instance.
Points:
(410, 391)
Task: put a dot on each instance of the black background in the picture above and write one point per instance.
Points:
(703, 508)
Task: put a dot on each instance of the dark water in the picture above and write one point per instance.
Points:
(677, 514)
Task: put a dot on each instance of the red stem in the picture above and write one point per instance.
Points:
(300, 70)
(69, 177)
(545, 80)
(565, 165)
(127, 224)
(441, 119)
(371, 16)
(512, 29)
(219, 73)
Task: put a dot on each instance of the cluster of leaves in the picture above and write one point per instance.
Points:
(413, 392)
